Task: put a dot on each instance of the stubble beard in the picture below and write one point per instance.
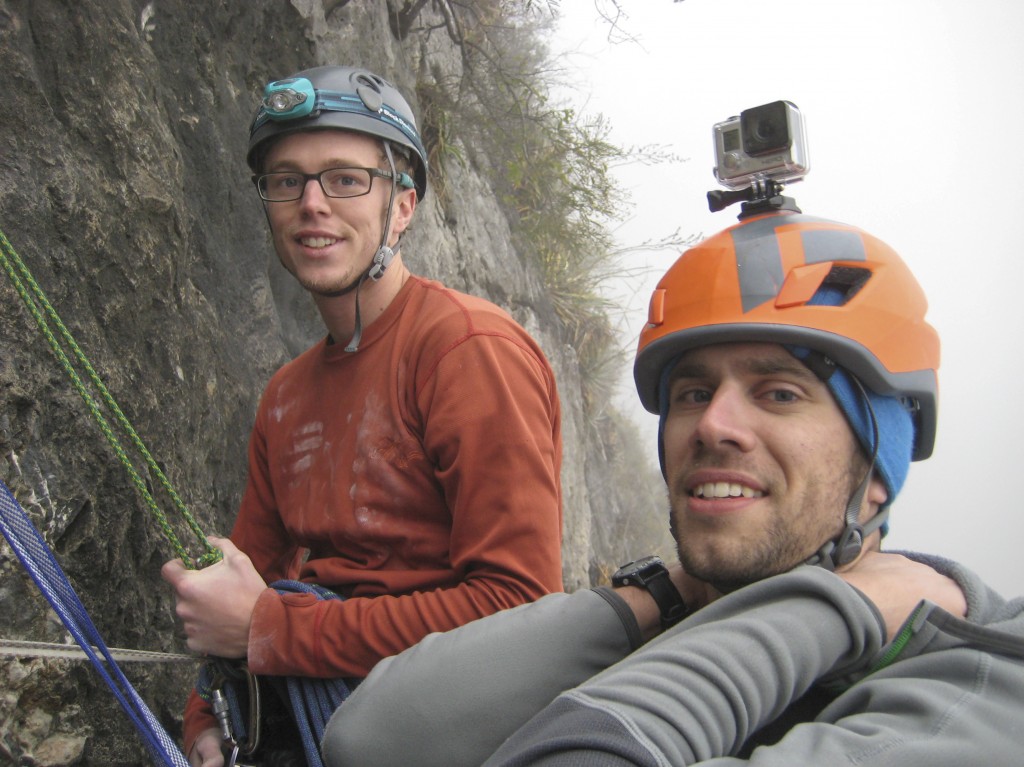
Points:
(331, 289)
(785, 542)
(326, 288)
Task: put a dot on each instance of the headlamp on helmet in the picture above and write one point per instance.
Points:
(289, 99)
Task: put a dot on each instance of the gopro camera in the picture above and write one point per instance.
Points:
(765, 143)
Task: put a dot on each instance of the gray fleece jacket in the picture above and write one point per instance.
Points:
(793, 670)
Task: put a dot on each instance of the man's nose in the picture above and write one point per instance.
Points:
(726, 420)
(313, 194)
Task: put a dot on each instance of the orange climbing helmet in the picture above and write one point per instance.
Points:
(755, 282)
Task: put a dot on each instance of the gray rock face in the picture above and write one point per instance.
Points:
(123, 186)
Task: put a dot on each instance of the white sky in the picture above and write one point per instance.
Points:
(915, 122)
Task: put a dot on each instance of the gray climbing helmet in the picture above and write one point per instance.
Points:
(343, 98)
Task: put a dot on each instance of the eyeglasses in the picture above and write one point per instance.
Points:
(335, 182)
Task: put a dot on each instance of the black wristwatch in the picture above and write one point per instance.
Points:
(650, 573)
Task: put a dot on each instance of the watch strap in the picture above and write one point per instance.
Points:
(666, 595)
(651, 574)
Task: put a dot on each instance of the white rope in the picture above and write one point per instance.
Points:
(21, 648)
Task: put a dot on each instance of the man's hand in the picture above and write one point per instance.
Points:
(896, 585)
(206, 750)
(215, 604)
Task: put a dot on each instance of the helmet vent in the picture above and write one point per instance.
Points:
(840, 285)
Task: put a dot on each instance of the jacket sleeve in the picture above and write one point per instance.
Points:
(198, 717)
(452, 699)
(954, 708)
(700, 690)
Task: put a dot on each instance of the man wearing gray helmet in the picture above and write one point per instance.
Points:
(410, 461)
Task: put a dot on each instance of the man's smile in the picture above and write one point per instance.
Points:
(317, 242)
(724, 490)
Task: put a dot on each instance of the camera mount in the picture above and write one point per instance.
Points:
(762, 196)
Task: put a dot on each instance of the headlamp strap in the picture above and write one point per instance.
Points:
(296, 98)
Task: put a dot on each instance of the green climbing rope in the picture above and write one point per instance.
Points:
(45, 315)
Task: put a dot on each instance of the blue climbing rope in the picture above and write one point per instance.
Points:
(38, 560)
(312, 701)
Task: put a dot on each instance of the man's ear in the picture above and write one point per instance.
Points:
(877, 494)
(405, 206)
(874, 498)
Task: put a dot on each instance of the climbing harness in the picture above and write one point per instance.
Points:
(250, 709)
(44, 314)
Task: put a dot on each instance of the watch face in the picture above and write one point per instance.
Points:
(650, 561)
(637, 571)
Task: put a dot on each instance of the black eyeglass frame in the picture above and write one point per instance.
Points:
(404, 180)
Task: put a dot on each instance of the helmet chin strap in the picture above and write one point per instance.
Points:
(847, 546)
(382, 258)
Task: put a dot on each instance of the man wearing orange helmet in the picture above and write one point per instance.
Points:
(408, 463)
(793, 373)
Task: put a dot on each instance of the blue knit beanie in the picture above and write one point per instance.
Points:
(895, 425)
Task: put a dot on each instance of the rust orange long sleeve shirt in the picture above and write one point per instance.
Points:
(418, 478)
